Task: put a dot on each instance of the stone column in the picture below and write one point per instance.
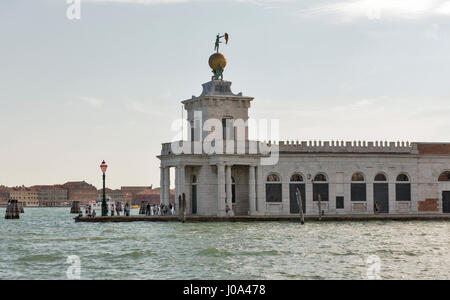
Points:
(252, 189)
(162, 188)
(166, 191)
(309, 201)
(179, 182)
(260, 191)
(370, 199)
(220, 189)
(228, 189)
(182, 185)
(392, 202)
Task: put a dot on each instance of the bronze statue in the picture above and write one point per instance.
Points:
(218, 42)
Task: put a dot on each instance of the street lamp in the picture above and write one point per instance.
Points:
(103, 167)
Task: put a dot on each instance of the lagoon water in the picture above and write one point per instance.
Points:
(37, 247)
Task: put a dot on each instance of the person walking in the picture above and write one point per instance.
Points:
(112, 210)
(117, 210)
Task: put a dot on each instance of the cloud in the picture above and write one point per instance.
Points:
(92, 101)
(139, 107)
(350, 10)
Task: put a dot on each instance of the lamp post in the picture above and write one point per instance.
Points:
(103, 167)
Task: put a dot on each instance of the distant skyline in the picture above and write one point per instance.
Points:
(108, 86)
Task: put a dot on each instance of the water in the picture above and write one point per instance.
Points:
(37, 247)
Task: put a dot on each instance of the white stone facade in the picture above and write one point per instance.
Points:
(218, 178)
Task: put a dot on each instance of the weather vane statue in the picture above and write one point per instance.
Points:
(218, 42)
(217, 61)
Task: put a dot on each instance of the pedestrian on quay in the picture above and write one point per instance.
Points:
(147, 209)
(112, 210)
(94, 214)
(127, 210)
(117, 210)
(171, 208)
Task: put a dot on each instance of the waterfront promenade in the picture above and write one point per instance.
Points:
(141, 218)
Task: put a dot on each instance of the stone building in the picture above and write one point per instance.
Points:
(29, 197)
(114, 195)
(51, 195)
(4, 195)
(80, 191)
(152, 196)
(131, 192)
(349, 178)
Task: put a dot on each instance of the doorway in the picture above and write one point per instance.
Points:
(446, 202)
(381, 197)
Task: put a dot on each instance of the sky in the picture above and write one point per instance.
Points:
(107, 86)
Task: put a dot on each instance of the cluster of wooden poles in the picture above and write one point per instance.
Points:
(14, 209)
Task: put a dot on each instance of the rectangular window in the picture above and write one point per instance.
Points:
(322, 189)
(339, 202)
(358, 191)
(403, 192)
(273, 192)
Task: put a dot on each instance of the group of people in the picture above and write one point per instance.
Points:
(151, 210)
(159, 210)
(89, 212)
(117, 209)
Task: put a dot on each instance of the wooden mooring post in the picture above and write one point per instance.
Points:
(75, 207)
(184, 208)
(300, 205)
(12, 210)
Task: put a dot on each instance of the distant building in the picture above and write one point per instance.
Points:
(51, 195)
(114, 195)
(26, 195)
(151, 196)
(4, 195)
(133, 190)
(80, 191)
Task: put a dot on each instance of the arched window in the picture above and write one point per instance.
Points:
(320, 177)
(380, 177)
(445, 176)
(403, 188)
(296, 178)
(273, 178)
(358, 177)
(273, 188)
(358, 187)
(320, 187)
(296, 183)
